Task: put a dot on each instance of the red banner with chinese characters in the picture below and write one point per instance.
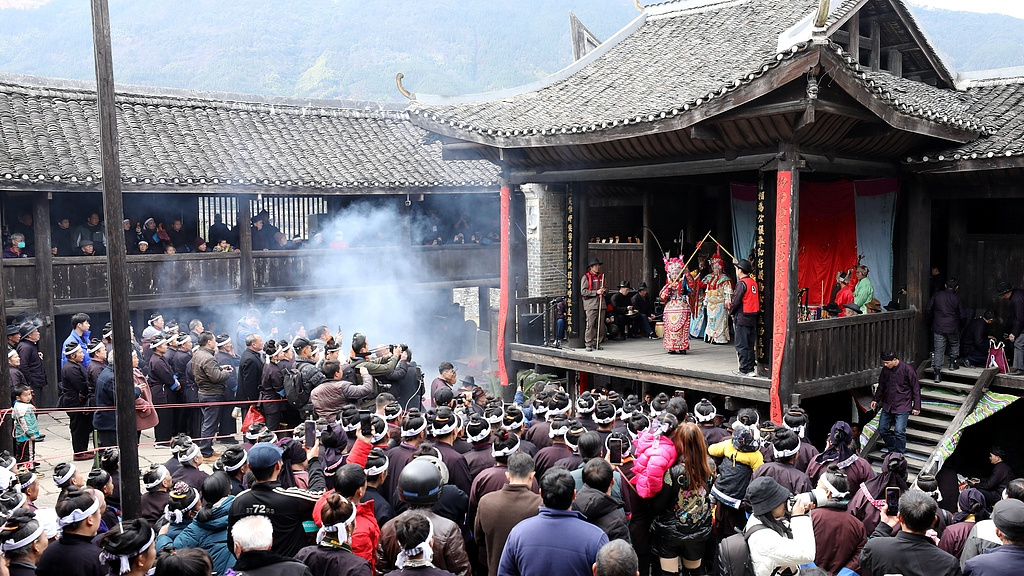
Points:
(780, 314)
(505, 295)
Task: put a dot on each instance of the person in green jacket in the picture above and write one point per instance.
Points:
(864, 291)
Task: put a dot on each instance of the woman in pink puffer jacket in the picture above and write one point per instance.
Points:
(655, 454)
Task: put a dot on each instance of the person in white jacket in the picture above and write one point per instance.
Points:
(786, 537)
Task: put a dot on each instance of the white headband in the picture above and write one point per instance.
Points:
(506, 451)
(786, 453)
(832, 489)
(378, 470)
(8, 545)
(378, 436)
(77, 515)
(800, 430)
(75, 350)
(553, 432)
(190, 455)
(23, 487)
(702, 418)
(584, 409)
(70, 474)
(125, 558)
(178, 516)
(233, 467)
(162, 474)
(557, 411)
(350, 427)
(94, 348)
(415, 432)
(341, 529)
(608, 420)
(495, 418)
(446, 429)
(421, 548)
(484, 433)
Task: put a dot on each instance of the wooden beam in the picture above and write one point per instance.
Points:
(855, 37)
(968, 165)
(44, 296)
(875, 60)
(705, 132)
(868, 130)
(216, 189)
(716, 166)
(805, 120)
(117, 265)
(910, 25)
(895, 62)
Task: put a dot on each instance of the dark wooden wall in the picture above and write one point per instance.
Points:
(621, 262)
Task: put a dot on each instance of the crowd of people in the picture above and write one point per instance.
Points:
(150, 235)
(348, 464)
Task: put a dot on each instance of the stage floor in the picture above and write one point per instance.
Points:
(706, 367)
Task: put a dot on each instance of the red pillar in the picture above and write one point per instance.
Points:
(787, 188)
(507, 290)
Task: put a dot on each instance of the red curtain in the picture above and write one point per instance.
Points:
(828, 236)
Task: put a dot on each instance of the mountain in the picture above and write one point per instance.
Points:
(348, 49)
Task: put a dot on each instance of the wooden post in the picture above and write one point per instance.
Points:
(44, 296)
(919, 237)
(484, 307)
(647, 237)
(579, 243)
(876, 47)
(896, 62)
(6, 424)
(787, 208)
(117, 265)
(247, 279)
(854, 28)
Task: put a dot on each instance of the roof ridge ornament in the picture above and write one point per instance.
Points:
(406, 93)
(639, 6)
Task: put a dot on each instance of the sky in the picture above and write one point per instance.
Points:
(1010, 7)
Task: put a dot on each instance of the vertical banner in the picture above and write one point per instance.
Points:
(569, 300)
(761, 344)
(506, 285)
(780, 314)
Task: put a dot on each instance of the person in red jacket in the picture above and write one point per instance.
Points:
(744, 308)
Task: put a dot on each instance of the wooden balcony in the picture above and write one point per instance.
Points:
(80, 284)
(832, 356)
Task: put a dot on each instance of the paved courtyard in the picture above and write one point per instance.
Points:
(57, 448)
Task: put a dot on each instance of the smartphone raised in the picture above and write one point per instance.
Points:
(310, 433)
(365, 421)
(892, 501)
(615, 451)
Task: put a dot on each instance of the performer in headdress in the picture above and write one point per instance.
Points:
(717, 297)
(677, 307)
(698, 319)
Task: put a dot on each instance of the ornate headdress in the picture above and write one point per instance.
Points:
(673, 266)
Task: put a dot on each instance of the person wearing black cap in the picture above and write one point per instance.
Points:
(13, 335)
(1016, 322)
(947, 315)
(97, 353)
(592, 290)
(75, 393)
(287, 509)
(780, 535)
(1008, 559)
(31, 359)
(744, 308)
(226, 357)
(911, 552)
(993, 485)
(642, 304)
(626, 319)
(976, 340)
(898, 396)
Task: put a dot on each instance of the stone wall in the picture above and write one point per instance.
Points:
(546, 239)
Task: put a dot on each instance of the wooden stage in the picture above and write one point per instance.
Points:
(706, 367)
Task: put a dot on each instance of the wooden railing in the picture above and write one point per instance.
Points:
(79, 280)
(840, 346)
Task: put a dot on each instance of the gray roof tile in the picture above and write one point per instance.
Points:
(50, 133)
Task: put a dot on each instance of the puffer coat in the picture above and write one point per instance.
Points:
(655, 454)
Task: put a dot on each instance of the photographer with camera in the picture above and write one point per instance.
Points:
(780, 535)
(337, 390)
(405, 382)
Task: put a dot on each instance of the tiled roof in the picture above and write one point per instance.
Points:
(675, 61)
(916, 98)
(999, 102)
(49, 133)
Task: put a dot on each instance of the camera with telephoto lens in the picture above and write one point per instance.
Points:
(813, 499)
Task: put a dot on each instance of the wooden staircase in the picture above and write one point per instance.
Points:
(944, 407)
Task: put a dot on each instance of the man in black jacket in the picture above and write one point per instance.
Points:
(75, 393)
(287, 508)
(226, 357)
(911, 552)
(31, 360)
(306, 364)
(975, 341)
(1016, 334)
(947, 314)
(164, 387)
(250, 369)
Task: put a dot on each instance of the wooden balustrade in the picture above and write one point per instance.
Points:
(191, 279)
(841, 346)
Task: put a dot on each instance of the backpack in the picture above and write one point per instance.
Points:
(295, 390)
(733, 555)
